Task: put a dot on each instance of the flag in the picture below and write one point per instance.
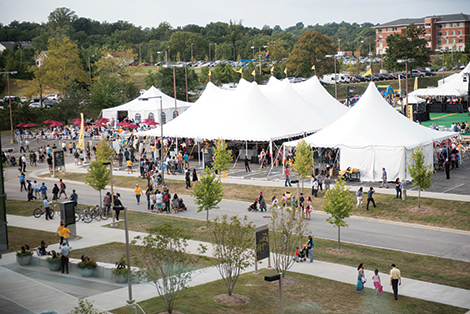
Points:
(253, 73)
(272, 70)
(210, 73)
(368, 73)
(285, 71)
(313, 67)
(416, 83)
(81, 141)
(240, 70)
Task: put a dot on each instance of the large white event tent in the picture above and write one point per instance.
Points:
(318, 97)
(372, 135)
(146, 106)
(456, 81)
(244, 114)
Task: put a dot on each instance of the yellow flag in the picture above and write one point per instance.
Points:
(285, 70)
(210, 73)
(367, 73)
(313, 67)
(240, 70)
(253, 73)
(416, 83)
(81, 141)
(272, 70)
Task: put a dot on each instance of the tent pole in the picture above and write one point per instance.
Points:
(283, 156)
(246, 148)
(198, 153)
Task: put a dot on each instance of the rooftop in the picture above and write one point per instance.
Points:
(460, 17)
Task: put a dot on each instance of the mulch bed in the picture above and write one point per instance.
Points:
(232, 300)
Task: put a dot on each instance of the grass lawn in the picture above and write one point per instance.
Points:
(112, 252)
(309, 295)
(446, 119)
(18, 237)
(25, 208)
(436, 212)
(416, 266)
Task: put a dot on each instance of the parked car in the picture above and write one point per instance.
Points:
(12, 98)
(416, 73)
(374, 78)
(52, 97)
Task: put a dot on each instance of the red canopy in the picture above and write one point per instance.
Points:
(149, 121)
(56, 123)
(131, 125)
(103, 120)
(49, 121)
(122, 123)
(21, 125)
(28, 125)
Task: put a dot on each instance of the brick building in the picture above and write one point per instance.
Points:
(443, 32)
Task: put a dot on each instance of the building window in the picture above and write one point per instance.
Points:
(380, 38)
(461, 24)
(137, 117)
(439, 34)
(453, 41)
(447, 33)
(454, 24)
(427, 24)
(151, 116)
(460, 40)
(389, 29)
(439, 26)
(395, 29)
(453, 33)
(379, 30)
(439, 42)
(447, 41)
(163, 118)
(460, 32)
(380, 45)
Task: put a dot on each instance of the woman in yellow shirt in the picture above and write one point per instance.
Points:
(137, 193)
(64, 233)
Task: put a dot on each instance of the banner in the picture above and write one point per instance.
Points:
(416, 83)
(81, 142)
(399, 84)
(410, 112)
(368, 73)
(253, 73)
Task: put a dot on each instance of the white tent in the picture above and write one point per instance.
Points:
(457, 81)
(146, 106)
(415, 100)
(321, 101)
(242, 114)
(372, 135)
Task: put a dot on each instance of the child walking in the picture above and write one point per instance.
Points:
(377, 284)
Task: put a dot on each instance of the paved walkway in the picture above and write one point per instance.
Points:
(30, 289)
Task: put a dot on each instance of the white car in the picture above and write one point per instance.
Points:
(52, 97)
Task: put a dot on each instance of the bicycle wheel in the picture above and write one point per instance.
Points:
(37, 212)
(87, 217)
(52, 212)
(78, 217)
(96, 215)
(103, 214)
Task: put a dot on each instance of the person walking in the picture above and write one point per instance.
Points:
(327, 182)
(310, 245)
(195, 179)
(398, 187)
(55, 192)
(395, 280)
(107, 202)
(64, 259)
(74, 198)
(47, 208)
(360, 278)
(377, 282)
(308, 208)
(62, 187)
(447, 168)
(148, 193)
(370, 197)
(117, 205)
(315, 186)
(187, 177)
(43, 189)
(359, 197)
(247, 165)
(262, 202)
(384, 178)
(36, 189)
(22, 182)
(403, 189)
(137, 193)
(287, 176)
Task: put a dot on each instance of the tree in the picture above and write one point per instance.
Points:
(104, 152)
(164, 81)
(108, 91)
(208, 192)
(233, 239)
(63, 66)
(420, 172)
(165, 262)
(339, 205)
(407, 44)
(310, 50)
(221, 157)
(286, 233)
(115, 62)
(97, 176)
(303, 162)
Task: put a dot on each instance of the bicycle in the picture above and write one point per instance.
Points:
(83, 215)
(38, 212)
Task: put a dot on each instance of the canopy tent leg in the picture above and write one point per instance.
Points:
(272, 159)
(199, 153)
(236, 160)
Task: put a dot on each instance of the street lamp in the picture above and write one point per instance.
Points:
(9, 103)
(89, 65)
(259, 54)
(406, 61)
(334, 60)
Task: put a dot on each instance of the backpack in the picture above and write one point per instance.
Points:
(166, 198)
(64, 185)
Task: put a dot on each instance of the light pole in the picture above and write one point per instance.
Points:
(259, 54)
(169, 57)
(9, 103)
(334, 60)
(406, 61)
(89, 65)
(192, 52)
(161, 138)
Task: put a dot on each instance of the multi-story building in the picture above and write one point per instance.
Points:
(443, 32)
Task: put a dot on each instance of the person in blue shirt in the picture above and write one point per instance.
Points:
(48, 209)
(43, 189)
(22, 182)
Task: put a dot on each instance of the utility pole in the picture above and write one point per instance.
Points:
(9, 103)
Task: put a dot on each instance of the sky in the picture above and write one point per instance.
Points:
(252, 13)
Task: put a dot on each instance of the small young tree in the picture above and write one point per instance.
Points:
(221, 157)
(419, 172)
(165, 262)
(104, 152)
(97, 176)
(208, 192)
(233, 239)
(338, 204)
(303, 162)
(286, 231)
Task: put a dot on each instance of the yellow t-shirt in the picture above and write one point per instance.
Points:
(60, 229)
(137, 190)
(66, 232)
(129, 163)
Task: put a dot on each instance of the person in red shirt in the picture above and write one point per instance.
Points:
(287, 175)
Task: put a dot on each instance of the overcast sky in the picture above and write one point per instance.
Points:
(150, 13)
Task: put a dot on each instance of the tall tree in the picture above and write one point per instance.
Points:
(311, 50)
(421, 174)
(407, 44)
(222, 157)
(63, 66)
(164, 81)
(339, 205)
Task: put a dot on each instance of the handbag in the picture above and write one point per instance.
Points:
(364, 279)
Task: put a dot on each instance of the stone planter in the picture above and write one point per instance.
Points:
(120, 278)
(24, 260)
(53, 266)
(86, 272)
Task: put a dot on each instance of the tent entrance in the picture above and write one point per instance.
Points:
(121, 115)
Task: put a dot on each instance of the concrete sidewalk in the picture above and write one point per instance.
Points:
(30, 291)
